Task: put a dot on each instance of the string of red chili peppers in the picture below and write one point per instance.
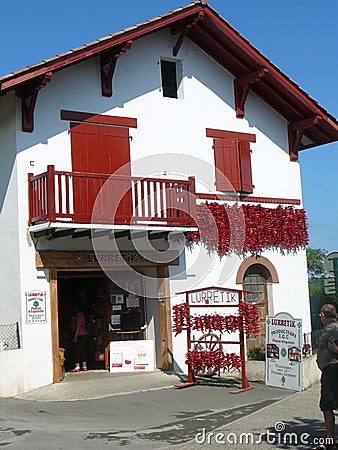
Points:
(201, 361)
(249, 314)
(248, 320)
(249, 228)
(181, 318)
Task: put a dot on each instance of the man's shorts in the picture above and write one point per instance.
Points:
(329, 388)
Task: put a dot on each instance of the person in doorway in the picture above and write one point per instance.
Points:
(80, 339)
(327, 360)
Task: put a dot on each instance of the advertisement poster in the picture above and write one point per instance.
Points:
(132, 356)
(284, 352)
(35, 306)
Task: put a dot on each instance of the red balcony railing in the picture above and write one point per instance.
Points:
(78, 197)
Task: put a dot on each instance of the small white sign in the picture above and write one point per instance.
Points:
(132, 301)
(35, 306)
(132, 356)
(284, 352)
(213, 297)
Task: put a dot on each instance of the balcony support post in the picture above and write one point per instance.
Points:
(30, 199)
(51, 192)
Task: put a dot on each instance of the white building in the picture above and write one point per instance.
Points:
(108, 151)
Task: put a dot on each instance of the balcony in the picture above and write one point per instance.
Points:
(88, 198)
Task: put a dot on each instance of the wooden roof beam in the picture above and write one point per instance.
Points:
(185, 31)
(296, 132)
(62, 233)
(81, 234)
(119, 234)
(242, 86)
(108, 62)
(29, 95)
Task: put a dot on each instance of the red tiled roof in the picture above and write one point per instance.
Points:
(221, 42)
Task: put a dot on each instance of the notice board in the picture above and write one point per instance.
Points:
(284, 352)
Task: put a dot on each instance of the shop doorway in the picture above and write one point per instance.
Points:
(84, 292)
(111, 315)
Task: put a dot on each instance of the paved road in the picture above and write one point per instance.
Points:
(146, 412)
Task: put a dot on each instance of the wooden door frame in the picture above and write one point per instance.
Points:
(164, 310)
(54, 313)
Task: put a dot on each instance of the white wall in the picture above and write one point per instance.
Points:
(289, 295)
(165, 126)
(11, 361)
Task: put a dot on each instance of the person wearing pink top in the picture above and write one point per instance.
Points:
(80, 338)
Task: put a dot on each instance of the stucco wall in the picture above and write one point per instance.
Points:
(11, 361)
(165, 126)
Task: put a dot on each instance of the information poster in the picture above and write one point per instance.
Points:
(132, 356)
(284, 352)
(35, 306)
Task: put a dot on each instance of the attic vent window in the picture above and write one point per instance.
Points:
(169, 78)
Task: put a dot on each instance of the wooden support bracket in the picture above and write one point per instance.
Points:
(29, 95)
(296, 132)
(242, 86)
(185, 31)
(108, 62)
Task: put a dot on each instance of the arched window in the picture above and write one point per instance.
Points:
(255, 279)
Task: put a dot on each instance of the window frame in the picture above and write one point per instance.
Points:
(177, 64)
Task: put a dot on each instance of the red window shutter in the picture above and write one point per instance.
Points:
(245, 161)
(227, 165)
(115, 150)
(85, 147)
(100, 149)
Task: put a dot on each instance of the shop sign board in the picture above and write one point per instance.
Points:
(104, 259)
(132, 356)
(213, 297)
(35, 306)
(284, 352)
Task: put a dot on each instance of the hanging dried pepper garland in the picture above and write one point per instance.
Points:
(181, 318)
(201, 361)
(249, 228)
(247, 319)
(249, 314)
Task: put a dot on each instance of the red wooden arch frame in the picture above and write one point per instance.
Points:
(191, 376)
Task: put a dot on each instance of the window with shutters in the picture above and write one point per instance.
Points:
(232, 155)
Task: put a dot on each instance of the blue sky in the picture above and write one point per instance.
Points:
(299, 37)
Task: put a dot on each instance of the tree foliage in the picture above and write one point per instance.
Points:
(315, 262)
(316, 274)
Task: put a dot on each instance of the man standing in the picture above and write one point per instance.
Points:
(327, 360)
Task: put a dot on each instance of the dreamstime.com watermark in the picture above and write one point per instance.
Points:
(278, 436)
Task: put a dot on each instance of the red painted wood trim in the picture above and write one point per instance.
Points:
(242, 86)
(51, 192)
(108, 62)
(185, 30)
(30, 198)
(223, 134)
(262, 61)
(249, 199)
(285, 201)
(295, 134)
(76, 116)
(92, 50)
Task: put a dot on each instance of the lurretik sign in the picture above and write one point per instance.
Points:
(284, 352)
